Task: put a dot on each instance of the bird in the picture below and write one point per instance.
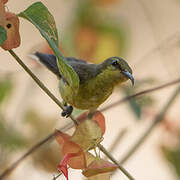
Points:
(96, 81)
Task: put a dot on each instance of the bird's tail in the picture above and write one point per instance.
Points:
(47, 60)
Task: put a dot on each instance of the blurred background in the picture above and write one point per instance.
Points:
(146, 34)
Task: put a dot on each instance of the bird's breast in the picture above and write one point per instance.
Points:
(90, 94)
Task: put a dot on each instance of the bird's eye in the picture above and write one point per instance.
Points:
(115, 63)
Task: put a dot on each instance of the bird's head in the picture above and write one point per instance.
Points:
(118, 68)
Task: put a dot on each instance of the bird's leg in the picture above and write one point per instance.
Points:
(67, 111)
(91, 113)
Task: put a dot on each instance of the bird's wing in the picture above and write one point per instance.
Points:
(85, 71)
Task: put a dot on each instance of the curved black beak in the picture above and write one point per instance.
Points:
(129, 76)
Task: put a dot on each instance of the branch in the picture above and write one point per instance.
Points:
(156, 121)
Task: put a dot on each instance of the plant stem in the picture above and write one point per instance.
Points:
(156, 121)
(40, 84)
(115, 161)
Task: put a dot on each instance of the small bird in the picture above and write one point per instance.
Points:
(97, 81)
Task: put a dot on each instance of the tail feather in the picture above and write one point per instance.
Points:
(49, 61)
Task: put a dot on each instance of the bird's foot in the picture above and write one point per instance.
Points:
(67, 112)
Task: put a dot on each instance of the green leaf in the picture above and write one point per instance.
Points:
(3, 35)
(39, 16)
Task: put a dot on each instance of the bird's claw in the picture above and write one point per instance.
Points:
(67, 112)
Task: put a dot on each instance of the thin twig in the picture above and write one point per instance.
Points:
(115, 162)
(156, 121)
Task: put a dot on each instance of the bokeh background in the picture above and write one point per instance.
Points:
(145, 33)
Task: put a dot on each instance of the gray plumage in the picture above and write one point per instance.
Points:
(85, 71)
